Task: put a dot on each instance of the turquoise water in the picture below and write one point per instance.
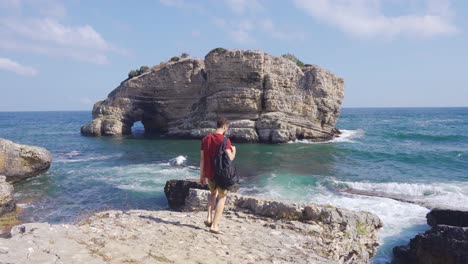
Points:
(415, 153)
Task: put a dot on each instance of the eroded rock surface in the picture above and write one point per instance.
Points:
(6, 196)
(173, 237)
(19, 162)
(342, 235)
(267, 98)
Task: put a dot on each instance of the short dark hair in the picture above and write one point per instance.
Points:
(222, 121)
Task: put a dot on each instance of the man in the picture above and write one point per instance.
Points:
(209, 148)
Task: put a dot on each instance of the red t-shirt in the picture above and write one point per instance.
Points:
(210, 146)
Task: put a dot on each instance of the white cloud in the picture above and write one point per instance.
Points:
(182, 4)
(366, 18)
(240, 31)
(13, 66)
(245, 31)
(270, 28)
(242, 6)
(41, 31)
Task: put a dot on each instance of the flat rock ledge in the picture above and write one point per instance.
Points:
(255, 231)
(19, 162)
(340, 235)
(445, 243)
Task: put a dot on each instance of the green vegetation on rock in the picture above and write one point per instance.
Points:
(218, 50)
(138, 72)
(294, 59)
(361, 228)
(175, 58)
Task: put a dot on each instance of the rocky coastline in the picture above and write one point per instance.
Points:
(255, 231)
(268, 99)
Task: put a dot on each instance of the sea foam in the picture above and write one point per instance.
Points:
(345, 136)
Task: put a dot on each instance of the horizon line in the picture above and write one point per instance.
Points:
(345, 107)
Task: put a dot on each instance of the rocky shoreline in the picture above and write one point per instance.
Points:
(255, 231)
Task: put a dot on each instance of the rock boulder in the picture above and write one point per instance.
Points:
(18, 162)
(267, 98)
(176, 191)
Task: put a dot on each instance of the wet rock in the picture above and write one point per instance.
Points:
(447, 217)
(445, 243)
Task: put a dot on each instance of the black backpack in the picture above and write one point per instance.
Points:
(225, 172)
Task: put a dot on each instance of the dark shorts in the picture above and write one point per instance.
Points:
(213, 186)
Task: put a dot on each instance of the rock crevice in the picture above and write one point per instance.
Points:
(271, 99)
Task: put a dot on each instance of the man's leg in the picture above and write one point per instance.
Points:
(211, 201)
(211, 205)
(219, 210)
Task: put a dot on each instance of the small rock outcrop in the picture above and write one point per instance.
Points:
(6, 196)
(176, 191)
(268, 99)
(19, 162)
(445, 243)
(340, 235)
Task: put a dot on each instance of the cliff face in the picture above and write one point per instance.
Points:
(266, 98)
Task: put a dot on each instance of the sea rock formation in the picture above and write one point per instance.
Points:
(19, 162)
(445, 243)
(267, 99)
(6, 196)
(340, 235)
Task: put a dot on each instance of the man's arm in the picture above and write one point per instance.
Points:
(202, 174)
(231, 152)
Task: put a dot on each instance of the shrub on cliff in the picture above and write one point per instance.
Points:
(133, 73)
(184, 55)
(293, 58)
(138, 72)
(175, 58)
(218, 50)
(143, 69)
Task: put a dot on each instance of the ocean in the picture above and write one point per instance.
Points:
(417, 154)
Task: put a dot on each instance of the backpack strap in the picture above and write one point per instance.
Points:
(222, 148)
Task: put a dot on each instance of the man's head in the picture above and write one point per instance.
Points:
(222, 124)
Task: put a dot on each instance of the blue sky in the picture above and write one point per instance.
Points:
(66, 55)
